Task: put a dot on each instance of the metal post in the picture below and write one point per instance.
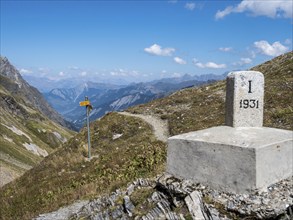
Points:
(88, 106)
(88, 130)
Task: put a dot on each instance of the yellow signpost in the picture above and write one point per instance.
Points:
(84, 103)
(88, 106)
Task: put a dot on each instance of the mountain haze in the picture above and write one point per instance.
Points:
(124, 148)
(66, 100)
(106, 97)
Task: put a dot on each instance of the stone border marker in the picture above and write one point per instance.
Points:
(241, 156)
(244, 99)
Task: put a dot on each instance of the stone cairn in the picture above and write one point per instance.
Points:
(242, 156)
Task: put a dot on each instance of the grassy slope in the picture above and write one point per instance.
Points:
(31, 122)
(66, 175)
(194, 109)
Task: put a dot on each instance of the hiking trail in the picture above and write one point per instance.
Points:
(160, 127)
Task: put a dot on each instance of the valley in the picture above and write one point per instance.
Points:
(107, 97)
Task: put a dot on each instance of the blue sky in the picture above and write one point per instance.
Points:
(142, 40)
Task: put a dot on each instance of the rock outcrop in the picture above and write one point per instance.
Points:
(167, 197)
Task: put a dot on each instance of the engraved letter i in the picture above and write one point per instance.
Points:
(249, 90)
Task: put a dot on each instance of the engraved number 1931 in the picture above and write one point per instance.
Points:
(249, 103)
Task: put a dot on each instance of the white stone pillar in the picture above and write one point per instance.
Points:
(244, 99)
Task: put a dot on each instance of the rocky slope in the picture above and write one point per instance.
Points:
(166, 197)
(30, 129)
(124, 148)
(24, 93)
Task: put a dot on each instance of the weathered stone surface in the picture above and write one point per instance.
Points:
(194, 204)
(63, 213)
(128, 205)
(235, 159)
(244, 99)
(275, 202)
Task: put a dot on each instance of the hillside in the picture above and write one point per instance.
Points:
(30, 129)
(125, 148)
(195, 109)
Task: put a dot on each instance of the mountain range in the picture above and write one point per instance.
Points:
(107, 97)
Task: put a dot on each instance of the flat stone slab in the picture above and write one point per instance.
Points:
(233, 159)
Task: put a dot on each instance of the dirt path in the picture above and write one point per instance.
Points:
(159, 126)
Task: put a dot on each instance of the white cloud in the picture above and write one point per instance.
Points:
(61, 73)
(288, 41)
(25, 71)
(210, 65)
(156, 49)
(125, 73)
(272, 9)
(273, 50)
(43, 71)
(214, 65)
(243, 61)
(176, 75)
(225, 12)
(252, 54)
(84, 73)
(246, 60)
(200, 65)
(225, 49)
(190, 6)
(119, 72)
(179, 60)
(73, 68)
(135, 73)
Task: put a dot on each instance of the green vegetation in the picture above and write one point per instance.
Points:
(194, 109)
(139, 199)
(278, 110)
(67, 175)
(20, 124)
(190, 109)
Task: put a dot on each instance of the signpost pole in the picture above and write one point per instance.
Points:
(88, 106)
(88, 131)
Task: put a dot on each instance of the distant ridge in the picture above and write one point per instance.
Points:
(106, 97)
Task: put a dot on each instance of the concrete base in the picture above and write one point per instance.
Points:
(232, 159)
